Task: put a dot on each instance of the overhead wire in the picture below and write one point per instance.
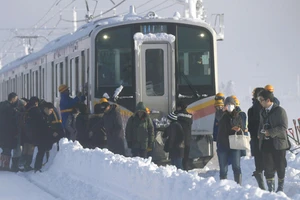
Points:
(154, 6)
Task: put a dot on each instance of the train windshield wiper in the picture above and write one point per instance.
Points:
(195, 91)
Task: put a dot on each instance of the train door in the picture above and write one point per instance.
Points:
(155, 77)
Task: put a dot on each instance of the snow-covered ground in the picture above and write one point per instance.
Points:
(77, 173)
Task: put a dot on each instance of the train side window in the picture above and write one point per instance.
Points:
(66, 71)
(56, 80)
(61, 72)
(36, 84)
(52, 82)
(83, 60)
(71, 73)
(76, 74)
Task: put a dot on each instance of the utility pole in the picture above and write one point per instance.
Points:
(27, 42)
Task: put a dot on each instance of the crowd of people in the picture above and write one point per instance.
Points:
(26, 124)
(37, 123)
(267, 125)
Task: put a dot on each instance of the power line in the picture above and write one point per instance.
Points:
(154, 6)
(165, 7)
(54, 4)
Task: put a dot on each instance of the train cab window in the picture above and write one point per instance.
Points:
(114, 58)
(195, 56)
(154, 72)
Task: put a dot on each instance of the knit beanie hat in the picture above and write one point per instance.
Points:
(229, 100)
(172, 116)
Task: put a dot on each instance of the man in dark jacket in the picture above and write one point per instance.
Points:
(185, 119)
(9, 131)
(41, 132)
(253, 124)
(139, 131)
(175, 141)
(273, 140)
(113, 126)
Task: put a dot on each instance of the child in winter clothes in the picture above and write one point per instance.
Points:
(175, 141)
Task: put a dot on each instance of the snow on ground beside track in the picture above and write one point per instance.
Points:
(77, 173)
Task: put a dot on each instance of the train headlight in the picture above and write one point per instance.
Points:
(105, 37)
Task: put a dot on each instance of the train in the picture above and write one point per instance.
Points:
(131, 58)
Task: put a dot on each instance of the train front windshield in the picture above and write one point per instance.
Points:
(194, 59)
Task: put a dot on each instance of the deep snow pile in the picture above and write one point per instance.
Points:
(77, 173)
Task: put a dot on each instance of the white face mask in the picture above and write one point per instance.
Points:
(230, 108)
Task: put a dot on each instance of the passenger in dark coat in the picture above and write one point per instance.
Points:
(97, 133)
(273, 140)
(186, 120)
(9, 131)
(230, 123)
(253, 124)
(114, 128)
(139, 131)
(175, 141)
(41, 132)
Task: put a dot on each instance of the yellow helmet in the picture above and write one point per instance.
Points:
(219, 102)
(269, 88)
(62, 88)
(102, 100)
(220, 96)
(237, 102)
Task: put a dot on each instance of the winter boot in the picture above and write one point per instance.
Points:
(238, 178)
(223, 177)
(271, 184)
(280, 185)
(28, 161)
(259, 178)
(5, 160)
(15, 165)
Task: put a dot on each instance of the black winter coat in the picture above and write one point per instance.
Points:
(114, 128)
(41, 131)
(175, 135)
(99, 136)
(253, 119)
(8, 128)
(185, 119)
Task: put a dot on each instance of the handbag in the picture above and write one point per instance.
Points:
(240, 142)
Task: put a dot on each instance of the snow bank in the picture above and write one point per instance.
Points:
(77, 173)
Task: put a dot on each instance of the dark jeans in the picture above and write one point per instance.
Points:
(234, 156)
(177, 162)
(274, 161)
(185, 160)
(39, 157)
(139, 152)
(258, 159)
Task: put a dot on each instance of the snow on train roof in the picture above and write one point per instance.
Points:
(83, 32)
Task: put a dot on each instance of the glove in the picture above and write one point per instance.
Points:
(149, 149)
(129, 144)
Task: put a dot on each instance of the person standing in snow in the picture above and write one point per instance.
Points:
(270, 88)
(185, 119)
(113, 126)
(175, 137)
(230, 123)
(243, 117)
(139, 132)
(273, 140)
(219, 105)
(67, 103)
(253, 124)
(9, 131)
